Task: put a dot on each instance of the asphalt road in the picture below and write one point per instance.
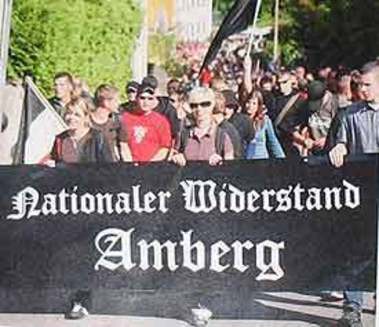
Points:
(270, 310)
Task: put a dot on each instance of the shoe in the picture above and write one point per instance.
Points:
(350, 318)
(200, 316)
(333, 296)
(77, 312)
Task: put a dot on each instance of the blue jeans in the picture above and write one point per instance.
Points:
(353, 300)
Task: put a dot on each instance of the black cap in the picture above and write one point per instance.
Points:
(149, 84)
(150, 81)
(316, 91)
(132, 86)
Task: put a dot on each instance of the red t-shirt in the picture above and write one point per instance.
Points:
(145, 134)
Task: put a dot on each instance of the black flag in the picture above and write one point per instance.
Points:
(238, 18)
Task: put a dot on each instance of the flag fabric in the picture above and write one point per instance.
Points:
(11, 103)
(40, 124)
(238, 18)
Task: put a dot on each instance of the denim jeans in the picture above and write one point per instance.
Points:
(353, 300)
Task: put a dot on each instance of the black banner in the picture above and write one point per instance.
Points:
(238, 18)
(194, 232)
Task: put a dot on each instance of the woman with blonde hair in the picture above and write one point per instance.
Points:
(265, 143)
(80, 143)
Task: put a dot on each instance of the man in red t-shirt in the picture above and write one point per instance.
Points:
(145, 134)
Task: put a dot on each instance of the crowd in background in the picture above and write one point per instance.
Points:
(234, 109)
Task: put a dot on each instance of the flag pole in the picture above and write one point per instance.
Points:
(257, 9)
(276, 32)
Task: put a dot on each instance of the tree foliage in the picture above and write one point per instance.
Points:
(333, 32)
(92, 39)
(323, 32)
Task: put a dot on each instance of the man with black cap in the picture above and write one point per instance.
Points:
(163, 105)
(309, 124)
(145, 134)
(322, 106)
(131, 90)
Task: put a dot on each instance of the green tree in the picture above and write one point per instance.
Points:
(334, 32)
(323, 32)
(92, 39)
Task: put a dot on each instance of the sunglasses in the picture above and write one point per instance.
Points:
(204, 104)
(132, 91)
(146, 98)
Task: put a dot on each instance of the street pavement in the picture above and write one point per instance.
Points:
(271, 310)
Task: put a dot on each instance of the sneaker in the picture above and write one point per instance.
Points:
(77, 312)
(331, 296)
(201, 316)
(350, 318)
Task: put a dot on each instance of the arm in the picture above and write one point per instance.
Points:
(161, 155)
(126, 154)
(228, 148)
(247, 77)
(300, 138)
(165, 140)
(339, 151)
(122, 138)
(273, 144)
(216, 159)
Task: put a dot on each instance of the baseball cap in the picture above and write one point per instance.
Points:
(149, 85)
(132, 86)
(316, 91)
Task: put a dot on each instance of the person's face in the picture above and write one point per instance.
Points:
(294, 82)
(285, 84)
(219, 105)
(172, 88)
(252, 106)
(111, 102)
(300, 72)
(131, 94)
(202, 109)
(76, 118)
(62, 87)
(146, 101)
(370, 87)
(267, 87)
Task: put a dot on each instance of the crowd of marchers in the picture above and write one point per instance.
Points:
(261, 114)
(233, 110)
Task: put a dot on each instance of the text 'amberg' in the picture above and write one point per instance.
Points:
(118, 250)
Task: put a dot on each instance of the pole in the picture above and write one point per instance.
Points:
(276, 32)
(5, 12)
(140, 55)
(257, 9)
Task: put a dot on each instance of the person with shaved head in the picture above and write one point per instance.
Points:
(358, 132)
